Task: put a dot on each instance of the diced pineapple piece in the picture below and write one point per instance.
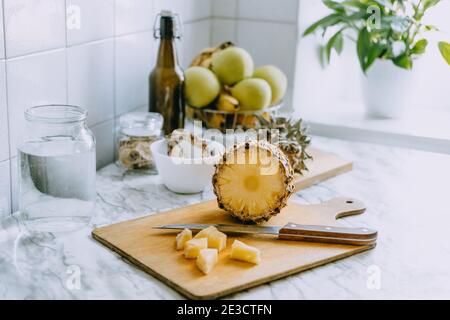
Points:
(217, 240)
(205, 232)
(244, 252)
(192, 247)
(207, 259)
(183, 237)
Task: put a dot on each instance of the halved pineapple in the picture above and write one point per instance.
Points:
(194, 246)
(243, 252)
(207, 259)
(183, 237)
(254, 181)
(216, 239)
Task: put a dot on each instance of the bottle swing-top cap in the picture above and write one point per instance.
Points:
(169, 25)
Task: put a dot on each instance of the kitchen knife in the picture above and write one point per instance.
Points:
(293, 231)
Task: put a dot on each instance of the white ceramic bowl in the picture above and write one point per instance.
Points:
(184, 175)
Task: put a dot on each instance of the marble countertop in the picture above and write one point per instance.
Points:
(406, 193)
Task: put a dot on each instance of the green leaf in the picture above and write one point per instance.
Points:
(324, 23)
(336, 42)
(404, 61)
(362, 47)
(429, 3)
(333, 5)
(419, 47)
(444, 47)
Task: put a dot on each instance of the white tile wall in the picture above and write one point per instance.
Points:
(104, 64)
(4, 143)
(133, 16)
(104, 137)
(268, 10)
(269, 43)
(89, 20)
(2, 34)
(33, 80)
(224, 8)
(32, 26)
(5, 195)
(196, 37)
(90, 73)
(133, 63)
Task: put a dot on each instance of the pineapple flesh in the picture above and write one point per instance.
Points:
(193, 247)
(207, 259)
(243, 252)
(183, 237)
(254, 181)
(216, 239)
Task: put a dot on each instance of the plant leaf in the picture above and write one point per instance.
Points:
(362, 47)
(336, 42)
(404, 61)
(419, 47)
(444, 47)
(325, 22)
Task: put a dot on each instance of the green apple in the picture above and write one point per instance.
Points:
(277, 81)
(232, 65)
(252, 94)
(201, 86)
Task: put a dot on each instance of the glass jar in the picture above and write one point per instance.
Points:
(136, 132)
(57, 169)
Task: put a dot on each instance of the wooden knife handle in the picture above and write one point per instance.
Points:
(328, 234)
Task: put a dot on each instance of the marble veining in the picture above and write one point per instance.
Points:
(405, 191)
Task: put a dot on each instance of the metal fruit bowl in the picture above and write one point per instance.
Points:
(222, 120)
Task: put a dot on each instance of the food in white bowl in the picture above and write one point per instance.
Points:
(186, 170)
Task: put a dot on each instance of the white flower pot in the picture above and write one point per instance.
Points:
(386, 90)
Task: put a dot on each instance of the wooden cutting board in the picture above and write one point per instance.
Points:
(154, 251)
(323, 166)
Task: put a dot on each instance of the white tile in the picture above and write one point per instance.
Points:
(133, 63)
(188, 10)
(33, 80)
(2, 33)
(222, 30)
(14, 184)
(196, 38)
(285, 10)
(5, 189)
(224, 8)
(91, 79)
(104, 136)
(32, 26)
(269, 43)
(89, 20)
(133, 16)
(4, 132)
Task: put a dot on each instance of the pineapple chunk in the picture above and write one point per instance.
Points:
(207, 259)
(216, 239)
(243, 252)
(205, 232)
(192, 247)
(183, 237)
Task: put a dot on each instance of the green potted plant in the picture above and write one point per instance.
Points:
(389, 36)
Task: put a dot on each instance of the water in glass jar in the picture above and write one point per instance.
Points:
(57, 185)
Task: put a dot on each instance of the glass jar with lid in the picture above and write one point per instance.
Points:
(136, 132)
(57, 169)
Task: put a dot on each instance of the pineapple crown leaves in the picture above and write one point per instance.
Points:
(293, 139)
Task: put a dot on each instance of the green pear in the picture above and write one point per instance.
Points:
(201, 86)
(252, 94)
(277, 81)
(232, 65)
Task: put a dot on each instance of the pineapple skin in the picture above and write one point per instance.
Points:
(284, 165)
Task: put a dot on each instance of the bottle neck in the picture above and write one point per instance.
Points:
(167, 54)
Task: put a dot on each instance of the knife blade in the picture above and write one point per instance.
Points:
(293, 231)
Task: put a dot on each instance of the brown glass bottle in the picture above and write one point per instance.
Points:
(166, 81)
